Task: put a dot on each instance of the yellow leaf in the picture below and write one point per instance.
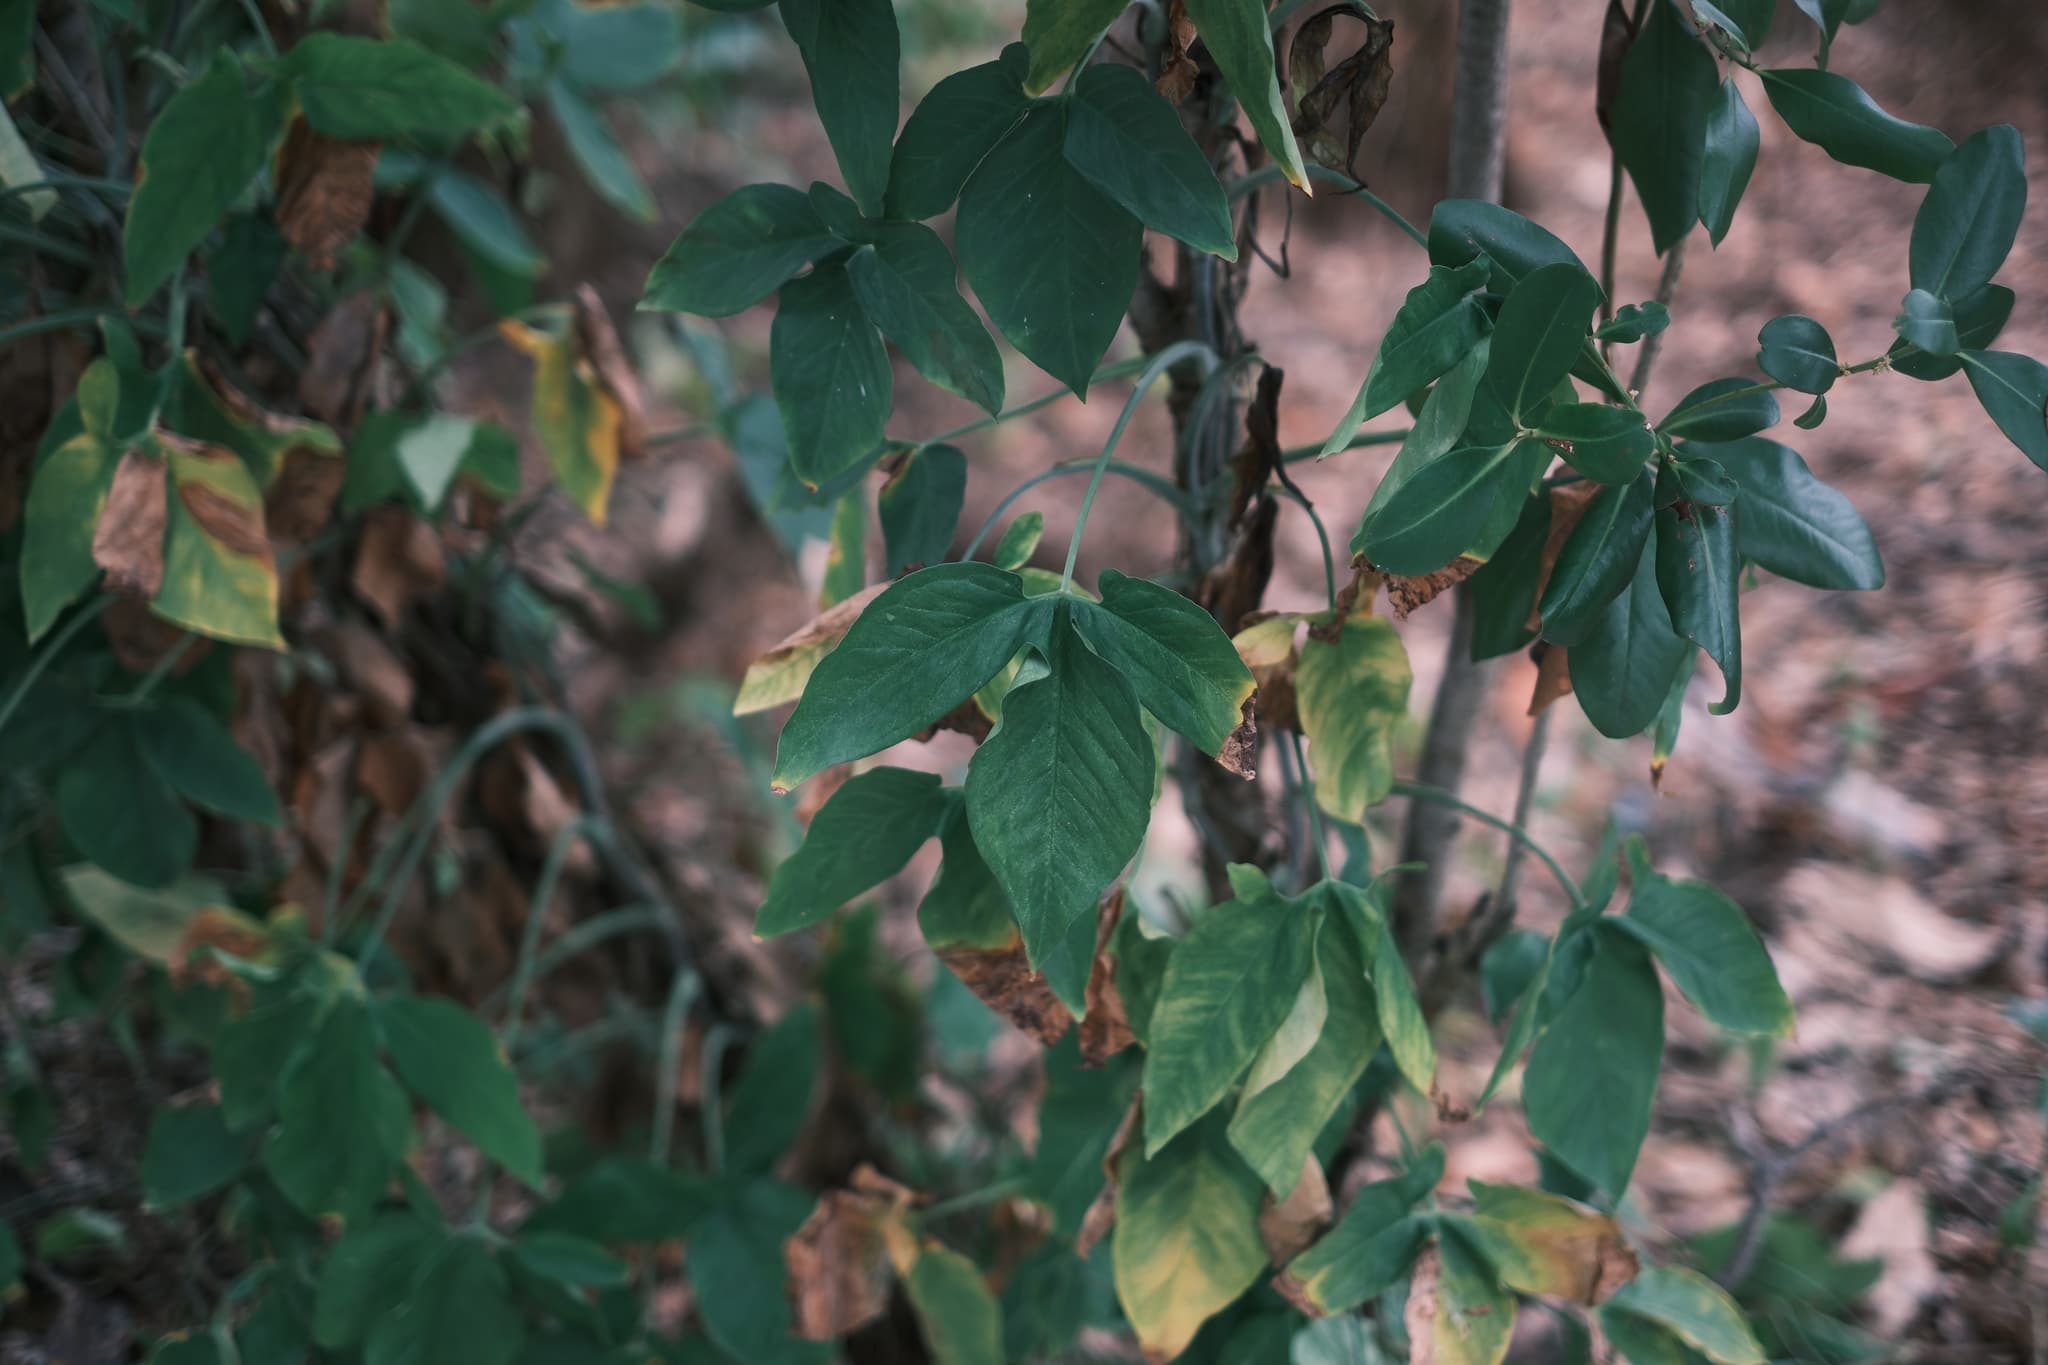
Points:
(578, 421)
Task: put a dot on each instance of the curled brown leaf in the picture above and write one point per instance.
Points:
(1002, 978)
(1101, 1215)
(342, 356)
(324, 191)
(597, 342)
(1553, 676)
(1105, 1028)
(1405, 595)
(839, 1262)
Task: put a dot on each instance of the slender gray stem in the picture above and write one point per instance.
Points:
(1525, 798)
(1667, 289)
(1479, 115)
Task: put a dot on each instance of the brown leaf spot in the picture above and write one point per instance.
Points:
(1101, 1215)
(1105, 1028)
(1002, 979)
(323, 191)
(1242, 744)
(1405, 595)
(597, 342)
(1553, 676)
(128, 542)
(237, 526)
(1289, 1226)
(839, 1263)
(1419, 1317)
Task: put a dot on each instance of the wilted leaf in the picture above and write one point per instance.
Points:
(1543, 1244)
(1553, 677)
(597, 344)
(840, 1263)
(324, 191)
(1289, 1226)
(1406, 594)
(398, 560)
(220, 574)
(778, 677)
(582, 426)
(1105, 1028)
(1353, 93)
(128, 542)
(341, 358)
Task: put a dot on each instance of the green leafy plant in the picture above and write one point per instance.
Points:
(1204, 1072)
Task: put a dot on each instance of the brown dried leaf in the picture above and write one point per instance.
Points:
(323, 191)
(1553, 677)
(1419, 1317)
(398, 561)
(1105, 1028)
(1617, 34)
(1260, 457)
(1568, 504)
(1289, 1226)
(342, 355)
(1355, 89)
(1002, 979)
(839, 1262)
(237, 526)
(140, 639)
(301, 496)
(1177, 70)
(1405, 595)
(597, 342)
(217, 929)
(128, 542)
(1241, 745)
(1101, 1215)
(1233, 590)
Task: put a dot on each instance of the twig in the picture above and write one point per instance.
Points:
(1525, 797)
(1667, 288)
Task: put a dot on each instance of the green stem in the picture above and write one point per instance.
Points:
(1329, 561)
(681, 996)
(581, 937)
(1267, 175)
(527, 969)
(1862, 367)
(54, 180)
(1137, 474)
(141, 693)
(710, 1111)
(1308, 799)
(1314, 450)
(994, 1193)
(1044, 400)
(49, 652)
(1422, 792)
(1161, 363)
(72, 317)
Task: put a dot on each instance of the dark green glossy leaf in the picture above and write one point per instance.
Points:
(1709, 948)
(2014, 390)
(1622, 668)
(1438, 512)
(1052, 258)
(1698, 572)
(1791, 523)
(1438, 325)
(343, 1122)
(951, 130)
(1979, 320)
(367, 1273)
(1504, 588)
(1927, 322)
(904, 280)
(1798, 353)
(917, 651)
(1123, 136)
(1060, 32)
(389, 90)
(1732, 140)
(200, 759)
(832, 381)
(851, 50)
(1592, 1077)
(919, 507)
(203, 148)
(1658, 126)
(1460, 229)
(1607, 444)
(1240, 40)
(190, 1154)
(460, 1308)
(772, 1099)
(1175, 657)
(1816, 413)
(739, 251)
(1439, 428)
(121, 815)
(1059, 798)
(862, 837)
(1538, 335)
(736, 1268)
(1835, 114)
(1597, 562)
(1715, 412)
(1967, 223)
(1633, 322)
(450, 1059)
(1697, 479)
(1229, 985)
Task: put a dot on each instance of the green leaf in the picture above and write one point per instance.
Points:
(1127, 139)
(1438, 325)
(1592, 1077)
(1662, 106)
(1694, 1309)
(200, 759)
(570, 1260)
(1058, 798)
(343, 1122)
(1020, 541)
(368, 1273)
(1711, 412)
(1504, 588)
(1401, 1017)
(1698, 572)
(919, 507)
(1798, 353)
(1711, 951)
(449, 1058)
(1187, 1241)
(739, 251)
(388, 90)
(1669, 716)
(1373, 1245)
(190, 1154)
(604, 162)
(1604, 443)
(63, 508)
(1640, 1341)
(1284, 1107)
(1622, 669)
(1967, 223)
(1176, 658)
(851, 50)
(2014, 390)
(1439, 428)
(203, 148)
(1979, 320)
(773, 1095)
(1052, 258)
(1827, 16)
(1835, 114)
(1460, 229)
(862, 837)
(460, 1308)
(1475, 1313)
(1078, 1118)
(1634, 321)
(253, 1049)
(904, 280)
(1597, 561)
(1241, 41)
(1791, 523)
(918, 650)
(1729, 159)
(1352, 694)
(1442, 508)
(121, 815)
(1229, 985)
(846, 550)
(1696, 480)
(951, 130)
(619, 1199)
(962, 1322)
(1928, 323)
(1059, 33)
(1541, 327)
(832, 381)
(484, 223)
(736, 1269)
